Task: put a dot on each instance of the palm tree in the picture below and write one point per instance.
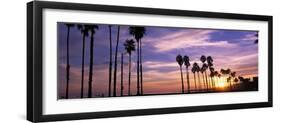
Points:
(193, 70)
(203, 69)
(122, 87)
(179, 59)
(212, 75)
(68, 25)
(236, 80)
(210, 64)
(85, 33)
(187, 64)
(92, 29)
(226, 72)
(212, 70)
(233, 75)
(110, 62)
(216, 73)
(129, 47)
(257, 38)
(138, 32)
(115, 63)
(202, 72)
(198, 74)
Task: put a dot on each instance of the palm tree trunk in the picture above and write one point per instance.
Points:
(199, 81)
(209, 82)
(195, 81)
(206, 77)
(110, 62)
(182, 86)
(214, 83)
(115, 63)
(67, 64)
(82, 71)
(91, 66)
(230, 85)
(203, 80)
(187, 77)
(141, 82)
(121, 74)
(129, 90)
(138, 69)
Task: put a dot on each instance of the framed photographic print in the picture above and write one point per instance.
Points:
(95, 61)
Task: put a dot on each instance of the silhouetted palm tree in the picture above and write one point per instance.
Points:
(138, 32)
(216, 73)
(232, 75)
(212, 75)
(236, 80)
(226, 72)
(203, 69)
(121, 87)
(210, 63)
(257, 36)
(203, 80)
(187, 64)
(129, 47)
(85, 33)
(92, 29)
(115, 63)
(68, 25)
(193, 70)
(198, 74)
(212, 70)
(110, 62)
(179, 59)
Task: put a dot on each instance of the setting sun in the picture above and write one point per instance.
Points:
(221, 84)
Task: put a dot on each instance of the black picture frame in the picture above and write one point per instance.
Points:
(35, 69)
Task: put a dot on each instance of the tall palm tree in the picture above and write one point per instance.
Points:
(232, 75)
(115, 62)
(226, 72)
(210, 64)
(68, 25)
(129, 47)
(216, 73)
(122, 87)
(85, 33)
(187, 64)
(236, 80)
(138, 32)
(212, 70)
(92, 29)
(179, 59)
(110, 62)
(193, 70)
(203, 79)
(198, 74)
(257, 38)
(212, 75)
(203, 69)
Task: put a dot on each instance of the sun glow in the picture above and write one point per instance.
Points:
(221, 84)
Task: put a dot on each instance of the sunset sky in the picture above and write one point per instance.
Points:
(232, 49)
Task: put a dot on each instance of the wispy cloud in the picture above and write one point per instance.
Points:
(159, 64)
(186, 39)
